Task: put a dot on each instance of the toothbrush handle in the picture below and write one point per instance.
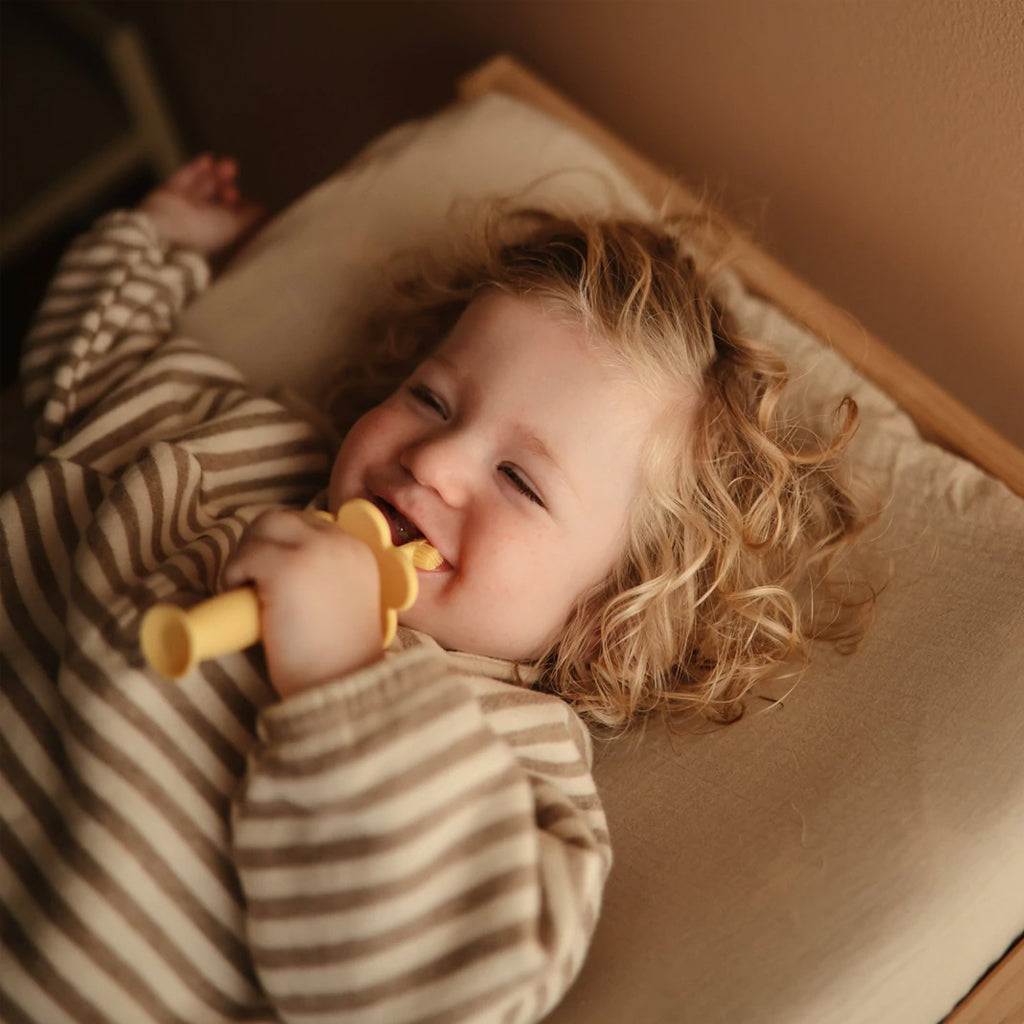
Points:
(174, 640)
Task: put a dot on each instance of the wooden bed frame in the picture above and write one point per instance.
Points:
(999, 997)
(939, 416)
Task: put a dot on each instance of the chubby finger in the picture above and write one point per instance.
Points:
(226, 169)
(194, 179)
(255, 560)
(181, 180)
(270, 541)
(204, 184)
(206, 177)
(290, 525)
(267, 532)
(281, 526)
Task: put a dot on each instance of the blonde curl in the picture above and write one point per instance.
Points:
(730, 563)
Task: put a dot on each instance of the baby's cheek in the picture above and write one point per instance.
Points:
(530, 590)
(357, 451)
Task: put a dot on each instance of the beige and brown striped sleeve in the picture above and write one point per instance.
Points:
(118, 898)
(413, 843)
(111, 303)
(417, 845)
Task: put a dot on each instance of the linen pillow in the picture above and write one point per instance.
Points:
(283, 309)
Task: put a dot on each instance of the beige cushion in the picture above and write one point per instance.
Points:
(282, 310)
(853, 855)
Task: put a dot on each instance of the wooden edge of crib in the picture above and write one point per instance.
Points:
(998, 997)
(939, 416)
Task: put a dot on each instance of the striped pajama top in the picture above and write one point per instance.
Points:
(419, 841)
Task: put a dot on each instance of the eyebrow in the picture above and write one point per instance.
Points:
(440, 357)
(535, 446)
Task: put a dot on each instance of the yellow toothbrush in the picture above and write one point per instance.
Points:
(174, 640)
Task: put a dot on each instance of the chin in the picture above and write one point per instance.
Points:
(456, 640)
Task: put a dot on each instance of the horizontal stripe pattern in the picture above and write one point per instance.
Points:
(418, 842)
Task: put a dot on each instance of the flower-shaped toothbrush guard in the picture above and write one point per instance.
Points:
(174, 639)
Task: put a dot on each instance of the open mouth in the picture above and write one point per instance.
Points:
(403, 529)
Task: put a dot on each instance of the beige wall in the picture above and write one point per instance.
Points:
(877, 146)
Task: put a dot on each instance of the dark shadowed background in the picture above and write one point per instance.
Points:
(877, 146)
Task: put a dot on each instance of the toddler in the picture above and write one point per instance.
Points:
(316, 830)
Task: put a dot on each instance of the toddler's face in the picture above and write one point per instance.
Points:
(517, 453)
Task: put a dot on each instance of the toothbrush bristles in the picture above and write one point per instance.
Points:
(423, 554)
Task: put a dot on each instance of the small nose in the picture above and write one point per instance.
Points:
(441, 462)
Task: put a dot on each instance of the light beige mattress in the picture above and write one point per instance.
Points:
(853, 855)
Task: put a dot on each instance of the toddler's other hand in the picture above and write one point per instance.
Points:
(200, 206)
(319, 596)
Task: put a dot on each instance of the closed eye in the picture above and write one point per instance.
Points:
(426, 397)
(521, 485)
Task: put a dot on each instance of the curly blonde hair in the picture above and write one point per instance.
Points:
(728, 569)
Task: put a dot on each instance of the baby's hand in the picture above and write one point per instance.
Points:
(200, 206)
(319, 595)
